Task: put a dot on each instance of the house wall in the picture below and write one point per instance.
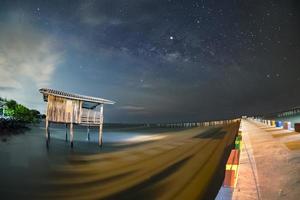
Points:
(70, 111)
(63, 110)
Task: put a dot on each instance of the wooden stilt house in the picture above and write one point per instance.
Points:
(70, 109)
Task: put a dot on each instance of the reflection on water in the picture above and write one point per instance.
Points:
(108, 136)
(25, 161)
(170, 164)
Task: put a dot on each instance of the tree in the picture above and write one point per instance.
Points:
(21, 113)
(9, 112)
(35, 113)
(11, 104)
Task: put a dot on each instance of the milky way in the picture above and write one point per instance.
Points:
(160, 60)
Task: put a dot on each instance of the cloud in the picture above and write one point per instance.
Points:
(132, 108)
(172, 57)
(28, 58)
(147, 86)
(91, 15)
(25, 54)
(107, 12)
(6, 88)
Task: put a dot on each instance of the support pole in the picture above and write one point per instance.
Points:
(71, 134)
(101, 125)
(47, 125)
(66, 132)
(88, 134)
(71, 126)
(47, 133)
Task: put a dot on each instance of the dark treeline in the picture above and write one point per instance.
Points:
(15, 116)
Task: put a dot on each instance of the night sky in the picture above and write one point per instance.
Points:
(160, 60)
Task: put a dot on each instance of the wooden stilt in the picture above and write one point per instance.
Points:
(47, 133)
(71, 134)
(47, 126)
(88, 134)
(66, 132)
(101, 126)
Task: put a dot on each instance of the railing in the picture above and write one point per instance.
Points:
(91, 116)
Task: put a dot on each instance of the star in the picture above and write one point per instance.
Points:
(173, 44)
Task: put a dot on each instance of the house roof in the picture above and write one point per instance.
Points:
(73, 96)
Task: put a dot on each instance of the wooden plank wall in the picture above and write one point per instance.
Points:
(70, 111)
(63, 110)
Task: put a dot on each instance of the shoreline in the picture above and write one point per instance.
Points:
(12, 127)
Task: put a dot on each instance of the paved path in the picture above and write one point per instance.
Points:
(177, 167)
(247, 187)
(277, 167)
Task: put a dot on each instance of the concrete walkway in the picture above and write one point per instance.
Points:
(247, 186)
(268, 169)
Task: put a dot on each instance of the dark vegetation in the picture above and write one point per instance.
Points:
(15, 117)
